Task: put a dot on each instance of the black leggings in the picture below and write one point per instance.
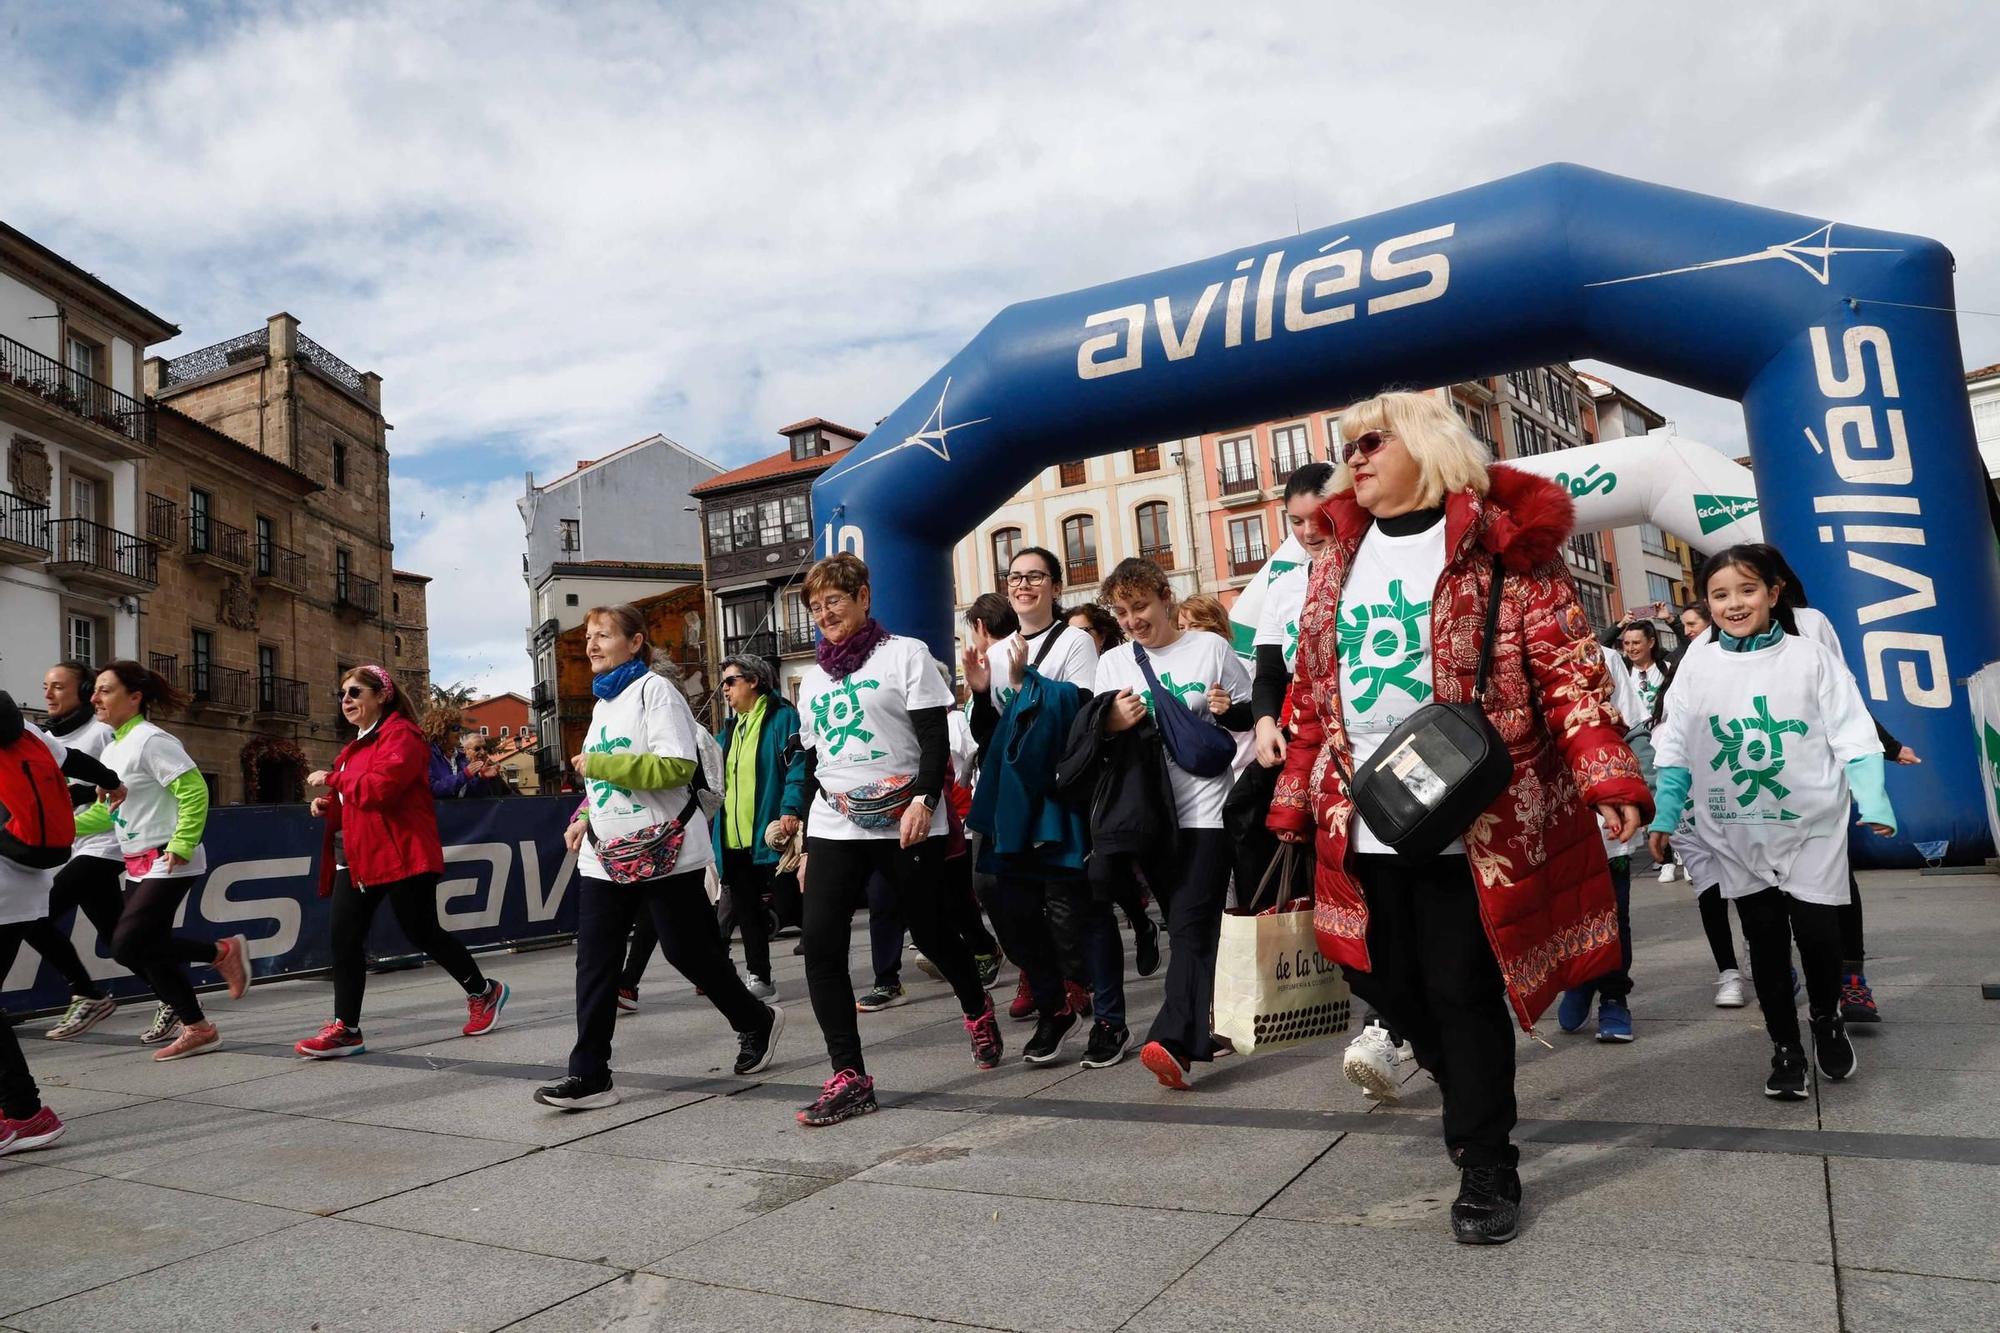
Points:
(414, 901)
(1715, 924)
(961, 908)
(1772, 919)
(1193, 894)
(744, 884)
(19, 1097)
(90, 884)
(837, 875)
(145, 944)
(1852, 952)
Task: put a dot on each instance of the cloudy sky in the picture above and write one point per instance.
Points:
(556, 229)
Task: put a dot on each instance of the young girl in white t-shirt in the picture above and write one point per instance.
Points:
(1201, 673)
(1768, 739)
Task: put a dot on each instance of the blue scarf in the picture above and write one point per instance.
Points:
(1731, 644)
(610, 684)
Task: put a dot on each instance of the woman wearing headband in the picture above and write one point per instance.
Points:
(381, 842)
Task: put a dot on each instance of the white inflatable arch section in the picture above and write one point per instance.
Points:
(1692, 490)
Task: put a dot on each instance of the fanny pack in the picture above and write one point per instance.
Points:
(1198, 747)
(647, 853)
(876, 805)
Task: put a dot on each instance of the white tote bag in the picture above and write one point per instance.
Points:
(1273, 987)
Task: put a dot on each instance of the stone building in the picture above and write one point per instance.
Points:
(275, 520)
(409, 614)
(758, 543)
(76, 439)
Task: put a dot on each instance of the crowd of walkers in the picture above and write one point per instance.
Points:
(1115, 759)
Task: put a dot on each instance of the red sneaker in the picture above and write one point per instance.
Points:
(190, 1039)
(1023, 1006)
(334, 1040)
(232, 960)
(1166, 1066)
(38, 1131)
(484, 1009)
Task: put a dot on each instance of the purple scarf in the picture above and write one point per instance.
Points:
(847, 657)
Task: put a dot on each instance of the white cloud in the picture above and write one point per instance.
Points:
(468, 539)
(569, 227)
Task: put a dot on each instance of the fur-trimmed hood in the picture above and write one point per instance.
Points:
(1522, 518)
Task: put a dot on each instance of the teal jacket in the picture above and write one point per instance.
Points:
(1022, 823)
(781, 777)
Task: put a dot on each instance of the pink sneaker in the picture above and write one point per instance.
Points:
(232, 960)
(38, 1131)
(483, 1009)
(192, 1039)
(334, 1040)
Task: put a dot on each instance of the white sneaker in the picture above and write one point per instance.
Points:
(1729, 990)
(763, 990)
(1667, 873)
(1370, 1063)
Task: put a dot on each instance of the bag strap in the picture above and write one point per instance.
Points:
(1492, 632)
(1055, 632)
(1282, 868)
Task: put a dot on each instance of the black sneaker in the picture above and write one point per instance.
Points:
(1487, 1210)
(576, 1094)
(1106, 1046)
(1788, 1074)
(883, 995)
(989, 968)
(842, 1097)
(753, 1053)
(1050, 1034)
(1832, 1051)
(1146, 947)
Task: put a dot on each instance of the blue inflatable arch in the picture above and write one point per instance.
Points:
(1836, 339)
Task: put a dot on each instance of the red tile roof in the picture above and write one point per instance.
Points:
(824, 424)
(1983, 372)
(780, 464)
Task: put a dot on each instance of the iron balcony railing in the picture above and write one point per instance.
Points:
(163, 521)
(165, 665)
(24, 522)
(280, 564)
(218, 686)
(1246, 562)
(73, 391)
(1080, 571)
(1235, 482)
(1163, 556)
(543, 696)
(354, 593)
(78, 541)
(282, 696)
(798, 640)
(220, 356)
(764, 645)
(209, 536)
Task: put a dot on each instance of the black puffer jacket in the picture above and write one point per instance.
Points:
(1122, 782)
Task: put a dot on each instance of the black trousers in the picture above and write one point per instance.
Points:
(414, 902)
(1715, 924)
(1772, 919)
(90, 884)
(961, 905)
(685, 924)
(1019, 906)
(1193, 891)
(836, 883)
(1434, 979)
(744, 884)
(144, 943)
(19, 1097)
(1852, 946)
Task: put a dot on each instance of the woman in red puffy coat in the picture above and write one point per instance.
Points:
(381, 843)
(1520, 908)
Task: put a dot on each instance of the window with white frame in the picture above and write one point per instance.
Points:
(1239, 462)
(1289, 449)
(1659, 588)
(86, 636)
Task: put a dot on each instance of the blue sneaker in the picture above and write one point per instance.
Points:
(1614, 1020)
(1574, 1011)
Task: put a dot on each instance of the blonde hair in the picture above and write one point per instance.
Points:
(1449, 457)
(1204, 612)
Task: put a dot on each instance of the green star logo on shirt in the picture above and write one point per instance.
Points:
(838, 714)
(604, 744)
(1382, 644)
(1754, 749)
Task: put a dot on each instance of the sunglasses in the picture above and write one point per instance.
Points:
(352, 692)
(727, 681)
(1364, 444)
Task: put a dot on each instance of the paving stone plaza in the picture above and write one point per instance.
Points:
(418, 1187)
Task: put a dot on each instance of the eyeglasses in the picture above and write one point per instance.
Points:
(727, 681)
(1032, 578)
(1365, 444)
(351, 692)
(830, 605)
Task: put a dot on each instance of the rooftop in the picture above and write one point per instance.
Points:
(780, 464)
(406, 574)
(585, 464)
(823, 424)
(160, 328)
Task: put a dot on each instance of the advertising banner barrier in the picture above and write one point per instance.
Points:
(1983, 693)
(507, 878)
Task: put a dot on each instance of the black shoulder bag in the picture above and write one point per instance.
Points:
(1434, 775)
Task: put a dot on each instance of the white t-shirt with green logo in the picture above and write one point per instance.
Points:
(859, 730)
(648, 717)
(1766, 736)
(1278, 624)
(1072, 657)
(1385, 646)
(146, 760)
(1187, 667)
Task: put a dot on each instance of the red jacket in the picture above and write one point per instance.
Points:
(384, 808)
(1544, 885)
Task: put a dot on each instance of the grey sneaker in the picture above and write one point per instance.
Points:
(162, 1027)
(83, 1014)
